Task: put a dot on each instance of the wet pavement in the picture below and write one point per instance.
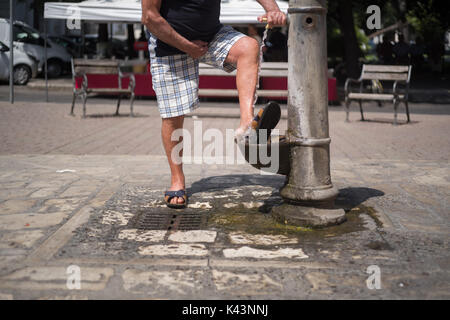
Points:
(104, 214)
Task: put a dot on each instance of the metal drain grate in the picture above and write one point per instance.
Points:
(170, 221)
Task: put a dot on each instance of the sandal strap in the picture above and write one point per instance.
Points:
(173, 194)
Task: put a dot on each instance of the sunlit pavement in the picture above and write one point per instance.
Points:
(81, 199)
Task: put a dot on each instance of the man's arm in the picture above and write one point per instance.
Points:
(162, 30)
(274, 16)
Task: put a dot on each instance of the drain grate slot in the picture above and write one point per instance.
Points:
(169, 221)
(191, 221)
(154, 221)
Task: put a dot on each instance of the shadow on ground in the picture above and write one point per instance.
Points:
(348, 198)
(389, 121)
(220, 183)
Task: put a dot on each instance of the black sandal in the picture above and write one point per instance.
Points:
(169, 195)
(267, 118)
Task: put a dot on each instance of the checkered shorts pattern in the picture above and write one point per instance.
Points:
(175, 78)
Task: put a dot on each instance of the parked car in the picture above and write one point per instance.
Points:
(32, 42)
(73, 45)
(25, 66)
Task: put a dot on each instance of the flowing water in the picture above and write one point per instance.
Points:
(266, 31)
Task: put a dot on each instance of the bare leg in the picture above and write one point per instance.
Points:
(245, 55)
(169, 125)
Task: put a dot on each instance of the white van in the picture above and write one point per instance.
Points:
(25, 66)
(31, 42)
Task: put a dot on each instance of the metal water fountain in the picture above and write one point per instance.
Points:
(308, 193)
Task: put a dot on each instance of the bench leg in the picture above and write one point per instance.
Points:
(347, 110)
(131, 104)
(361, 110)
(395, 112)
(118, 105)
(73, 103)
(84, 104)
(407, 111)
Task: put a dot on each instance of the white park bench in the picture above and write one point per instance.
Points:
(83, 67)
(399, 75)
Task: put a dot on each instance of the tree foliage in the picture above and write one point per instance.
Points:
(428, 19)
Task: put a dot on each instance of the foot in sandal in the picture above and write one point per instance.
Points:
(176, 199)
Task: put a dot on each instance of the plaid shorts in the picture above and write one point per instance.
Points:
(175, 78)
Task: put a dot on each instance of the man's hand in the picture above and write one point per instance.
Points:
(197, 49)
(273, 18)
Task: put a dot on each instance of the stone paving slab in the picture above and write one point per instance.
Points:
(397, 219)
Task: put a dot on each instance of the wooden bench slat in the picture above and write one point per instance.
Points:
(96, 62)
(385, 68)
(264, 73)
(234, 93)
(265, 65)
(268, 69)
(112, 90)
(275, 65)
(385, 76)
(373, 96)
(274, 73)
(96, 69)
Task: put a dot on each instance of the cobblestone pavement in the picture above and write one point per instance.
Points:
(104, 214)
(87, 193)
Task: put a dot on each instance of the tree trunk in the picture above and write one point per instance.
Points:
(103, 41)
(103, 32)
(351, 47)
(130, 41)
(38, 12)
(402, 11)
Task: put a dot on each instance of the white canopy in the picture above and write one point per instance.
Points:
(232, 12)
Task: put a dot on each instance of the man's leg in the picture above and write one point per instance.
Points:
(245, 55)
(169, 125)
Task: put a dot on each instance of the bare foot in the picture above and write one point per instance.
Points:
(242, 133)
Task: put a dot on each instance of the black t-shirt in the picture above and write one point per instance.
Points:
(193, 19)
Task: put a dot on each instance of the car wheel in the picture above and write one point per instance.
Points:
(54, 69)
(21, 75)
